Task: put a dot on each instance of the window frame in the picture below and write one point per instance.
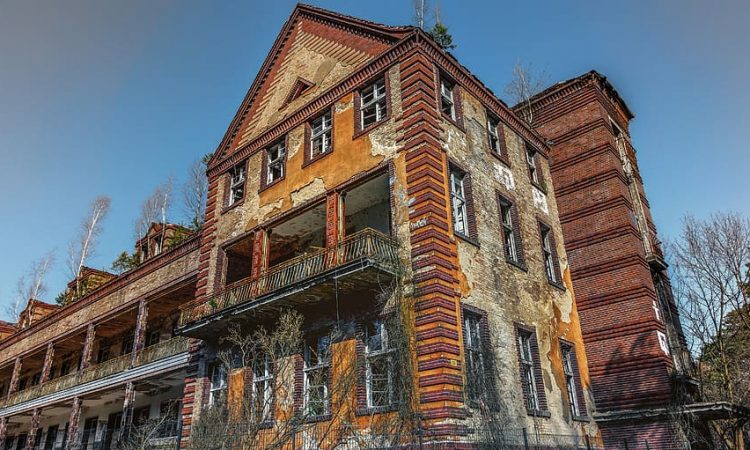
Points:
(459, 205)
(382, 104)
(219, 384)
(567, 352)
(496, 138)
(266, 380)
(310, 136)
(236, 181)
(385, 352)
(447, 93)
(322, 366)
(526, 360)
(533, 166)
(511, 230)
(267, 177)
(474, 358)
(550, 260)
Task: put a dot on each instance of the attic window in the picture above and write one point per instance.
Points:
(300, 87)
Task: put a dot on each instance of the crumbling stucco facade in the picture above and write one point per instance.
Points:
(367, 175)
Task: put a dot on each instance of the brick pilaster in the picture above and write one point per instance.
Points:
(31, 439)
(74, 418)
(3, 430)
(127, 409)
(47, 363)
(88, 346)
(189, 399)
(15, 375)
(434, 251)
(139, 337)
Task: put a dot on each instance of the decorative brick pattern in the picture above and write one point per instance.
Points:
(437, 308)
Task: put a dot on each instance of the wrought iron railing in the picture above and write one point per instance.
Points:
(365, 245)
(112, 366)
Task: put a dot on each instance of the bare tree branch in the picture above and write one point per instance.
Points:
(526, 83)
(84, 246)
(194, 194)
(421, 7)
(30, 285)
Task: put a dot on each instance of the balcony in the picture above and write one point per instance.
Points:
(361, 262)
(120, 369)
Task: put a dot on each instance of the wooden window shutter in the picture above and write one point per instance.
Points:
(517, 235)
(538, 377)
(555, 258)
(470, 211)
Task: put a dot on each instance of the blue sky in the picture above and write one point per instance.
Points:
(115, 97)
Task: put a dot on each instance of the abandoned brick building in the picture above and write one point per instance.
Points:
(367, 173)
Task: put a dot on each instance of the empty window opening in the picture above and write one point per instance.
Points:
(239, 260)
(236, 183)
(299, 236)
(447, 98)
(369, 206)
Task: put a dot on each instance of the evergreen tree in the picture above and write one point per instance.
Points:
(441, 35)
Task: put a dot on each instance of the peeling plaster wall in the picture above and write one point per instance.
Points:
(350, 157)
(507, 293)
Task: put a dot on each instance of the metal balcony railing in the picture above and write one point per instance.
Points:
(112, 366)
(365, 245)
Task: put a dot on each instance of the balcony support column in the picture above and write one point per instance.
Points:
(127, 410)
(31, 440)
(260, 253)
(15, 375)
(333, 227)
(75, 417)
(139, 337)
(3, 430)
(88, 347)
(47, 367)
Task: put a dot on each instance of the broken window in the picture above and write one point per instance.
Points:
(298, 236)
(447, 98)
(317, 375)
(568, 363)
(262, 389)
(379, 373)
(218, 390)
(153, 337)
(526, 358)
(103, 353)
(509, 222)
(275, 161)
(458, 202)
(369, 206)
(236, 183)
(374, 106)
(239, 260)
(320, 138)
(493, 133)
(531, 163)
(474, 355)
(548, 253)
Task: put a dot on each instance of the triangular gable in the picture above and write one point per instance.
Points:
(319, 46)
(298, 89)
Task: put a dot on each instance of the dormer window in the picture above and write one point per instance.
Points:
(275, 162)
(236, 184)
(373, 107)
(320, 137)
(447, 98)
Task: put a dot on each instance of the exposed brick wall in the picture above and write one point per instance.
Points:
(433, 250)
(609, 268)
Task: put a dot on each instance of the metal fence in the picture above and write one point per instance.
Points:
(323, 436)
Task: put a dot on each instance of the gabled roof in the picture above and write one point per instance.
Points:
(384, 34)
